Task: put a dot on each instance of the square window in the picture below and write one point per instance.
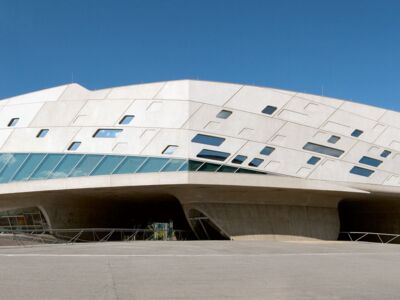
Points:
(239, 159)
(357, 132)
(385, 153)
(170, 149)
(333, 139)
(74, 146)
(13, 122)
(313, 160)
(255, 162)
(126, 119)
(267, 150)
(269, 110)
(42, 133)
(224, 114)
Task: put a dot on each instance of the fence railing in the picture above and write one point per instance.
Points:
(357, 236)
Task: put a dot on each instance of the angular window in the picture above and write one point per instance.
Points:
(208, 140)
(215, 155)
(170, 149)
(74, 146)
(385, 153)
(239, 159)
(66, 165)
(126, 119)
(246, 171)
(361, 171)
(224, 114)
(267, 150)
(130, 165)
(108, 165)
(333, 139)
(269, 110)
(153, 164)
(107, 133)
(313, 160)
(255, 162)
(191, 165)
(86, 165)
(227, 169)
(13, 122)
(357, 132)
(173, 165)
(323, 149)
(46, 166)
(370, 161)
(13, 164)
(42, 133)
(30, 164)
(209, 167)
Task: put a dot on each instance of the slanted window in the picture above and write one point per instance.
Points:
(239, 159)
(269, 110)
(313, 160)
(370, 161)
(208, 140)
(42, 133)
(361, 171)
(333, 139)
(267, 150)
(13, 122)
(224, 114)
(107, 133)
(170, 149)
(74, 146)
(126, 119)
(255, 162)
(357, 132)
(385, 153)
(215, 155)
(323, 149)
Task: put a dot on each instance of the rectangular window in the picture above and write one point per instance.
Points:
(269, 110)
(357, 132)
(153, 164)
(385, 153)
(173, 165)
(66, 165)
(86, 165)
(224, 114)
(30, 164)
(333, 139)
(267, 150)
(227, 169)
(215, 155)
(107, 165)
(323, 149)
(361, 171)
(13, 122)
(107, 133)
(255, 162)
(126, 120)
(170, 149)
(129, 165)
(208, 140)
(313, 160)
(239, 159)
(370, 161)
(209, 167)
(42, 133)
(47, 165)
(74, 146)
(13, 164)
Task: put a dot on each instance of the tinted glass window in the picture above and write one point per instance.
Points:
(333, 139)
(208, 140)
(255, 162)
(47, 165)
(86, 165)
(313, 160)
(239, 159)
(212, 154)
(153, 164)
(42, 133)
(129, 165)
(107, 165)
(227, 169)
(357, 132)
(74, 146)
(30, 164)
(13, 163)
(385, 153)
(370, 161)
(323, 149)
(361, 171)
(267, 150)
(208, 167)
(269, 110)
(107, 133)
(126, 119)
(173, 165)
(13, 122)
(66, 165)
(170, 149)
(224, 114)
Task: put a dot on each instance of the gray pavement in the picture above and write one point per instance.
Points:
(201, 270)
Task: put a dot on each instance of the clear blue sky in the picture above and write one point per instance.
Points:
(351, 48)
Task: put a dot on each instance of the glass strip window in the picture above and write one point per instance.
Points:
(173, 165)
(86, 165)
(153, 164)
(13, 164)
(130, 165)
(46, 166)
(209, 167)
(323, 149)
(227, 169)
(107, 165)
(66, 165)
(30, 164)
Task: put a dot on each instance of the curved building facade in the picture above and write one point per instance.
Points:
(221, 160)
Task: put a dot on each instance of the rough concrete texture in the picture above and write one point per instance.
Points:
(201, 270)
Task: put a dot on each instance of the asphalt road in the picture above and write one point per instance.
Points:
(201, 270)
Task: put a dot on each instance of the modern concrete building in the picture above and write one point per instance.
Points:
(222, 160)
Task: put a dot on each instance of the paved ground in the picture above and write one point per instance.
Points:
(201, 270)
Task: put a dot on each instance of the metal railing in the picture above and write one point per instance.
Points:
(358, 236)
